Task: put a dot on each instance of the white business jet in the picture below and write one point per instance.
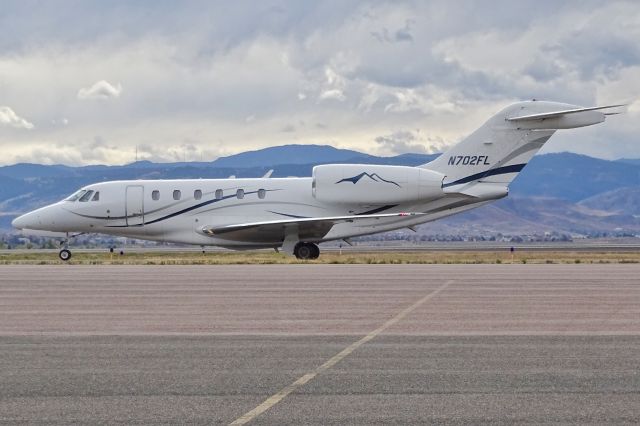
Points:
(337, 202)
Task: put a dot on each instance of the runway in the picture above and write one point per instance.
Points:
(320, 344)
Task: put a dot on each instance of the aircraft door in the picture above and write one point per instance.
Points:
(134, 206)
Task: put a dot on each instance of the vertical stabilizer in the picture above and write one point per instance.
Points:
(496, 152)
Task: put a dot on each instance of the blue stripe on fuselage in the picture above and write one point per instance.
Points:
(514, 168)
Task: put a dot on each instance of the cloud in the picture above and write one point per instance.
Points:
(100, 90)
(60, 122)
(232, 81)
(333, 87)
(335, 94)
(400, 35)
(98, 150)
(405, 141)
(9, 118)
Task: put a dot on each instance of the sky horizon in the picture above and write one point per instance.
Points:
(86, 82)
(170, 161)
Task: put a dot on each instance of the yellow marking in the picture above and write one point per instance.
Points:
(276, 398)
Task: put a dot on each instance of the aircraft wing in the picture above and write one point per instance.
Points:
(555, 114)
(308, 228)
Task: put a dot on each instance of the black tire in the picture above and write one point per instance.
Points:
(64, 255)
(303, 251)
(316, 251)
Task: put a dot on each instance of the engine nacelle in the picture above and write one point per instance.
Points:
(370, 184)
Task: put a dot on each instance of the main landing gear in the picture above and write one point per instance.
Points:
(306, 251)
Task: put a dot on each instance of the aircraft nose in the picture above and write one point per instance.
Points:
(49, 218)
(22, 222)
(35, 219)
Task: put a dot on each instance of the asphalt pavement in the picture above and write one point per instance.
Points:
(320, 344)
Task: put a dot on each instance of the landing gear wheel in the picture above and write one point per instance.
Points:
(64, 254)
(306, 251)
(315, 250)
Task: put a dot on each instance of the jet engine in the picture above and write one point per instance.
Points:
(372, 184)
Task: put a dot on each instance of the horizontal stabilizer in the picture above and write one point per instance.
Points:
(555, 114)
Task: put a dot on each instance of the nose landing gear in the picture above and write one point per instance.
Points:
(306, 251)
(65, 253)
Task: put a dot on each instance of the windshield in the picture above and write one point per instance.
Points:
(76, 195)
(87, 195)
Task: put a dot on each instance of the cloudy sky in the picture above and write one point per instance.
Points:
(86, 82)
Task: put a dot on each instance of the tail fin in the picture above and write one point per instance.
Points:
(496, 152)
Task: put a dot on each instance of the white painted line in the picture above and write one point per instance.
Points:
(276, 398)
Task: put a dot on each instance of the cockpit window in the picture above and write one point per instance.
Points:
(96, 196)
(86, 196)
(76, 195)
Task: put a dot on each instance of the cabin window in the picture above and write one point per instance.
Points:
(197, 194)
(262, 193)
(155, 195)
(218, 194)
(96, 196)
(177, 194)
(240, 194)
(86, 197)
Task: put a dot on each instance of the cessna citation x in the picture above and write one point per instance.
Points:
(337, 202)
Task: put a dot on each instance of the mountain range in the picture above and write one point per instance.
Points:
(562, 192)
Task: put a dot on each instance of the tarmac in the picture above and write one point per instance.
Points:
(320, 344)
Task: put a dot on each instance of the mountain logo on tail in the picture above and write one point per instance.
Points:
(373, 176)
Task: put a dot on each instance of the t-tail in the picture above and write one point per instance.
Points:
(484, 164)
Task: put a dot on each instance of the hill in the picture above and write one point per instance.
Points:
(620, 201)
(573, 177)
(289, 154)
(634, 161)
